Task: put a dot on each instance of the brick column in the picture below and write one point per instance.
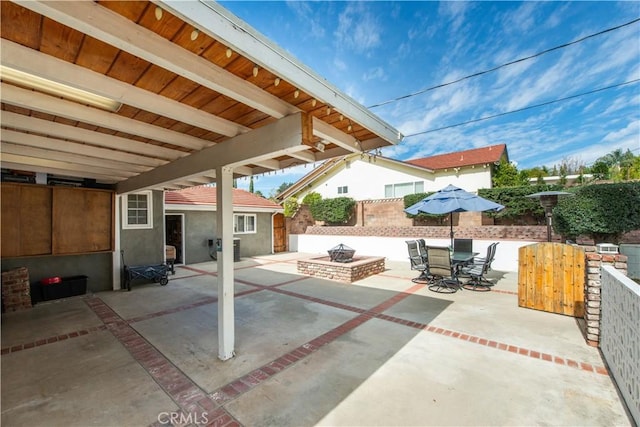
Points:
(16, 290)
(592, 288)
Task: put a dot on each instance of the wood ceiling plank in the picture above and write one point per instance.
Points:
(180, 88)
(128, 68)
(20, 25)
(60, 41)
(155, 79)
(217, 53)
(96, 55)
(137, 40)
(132, 10)
(218, 105)
(16, 109)
(167, 26)
(197, 46)
(251, 118)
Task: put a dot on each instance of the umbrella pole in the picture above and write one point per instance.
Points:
(451, 228)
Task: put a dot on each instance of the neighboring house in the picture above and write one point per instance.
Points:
(190, 223)
(362, 177)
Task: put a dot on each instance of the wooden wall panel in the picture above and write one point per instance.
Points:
(26, 220)
(43, 220)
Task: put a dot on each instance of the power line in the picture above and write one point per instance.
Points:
(526, 58)
(523, 109)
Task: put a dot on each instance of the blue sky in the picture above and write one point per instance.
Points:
(377, 51)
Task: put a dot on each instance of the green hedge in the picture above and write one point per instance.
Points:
(333, 211)
(514, 200)
(601, 211)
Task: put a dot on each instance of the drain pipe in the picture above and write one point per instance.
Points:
(273, 215)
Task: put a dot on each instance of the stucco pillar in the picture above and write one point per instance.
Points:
(224, 212)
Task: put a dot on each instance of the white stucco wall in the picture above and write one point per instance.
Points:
(366, 181)
(395, 248)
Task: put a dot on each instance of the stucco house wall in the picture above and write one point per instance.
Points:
(144, 246)
(201, 225)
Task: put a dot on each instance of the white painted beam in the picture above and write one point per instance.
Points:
(33, 62)
(325, 131)
(61, 146)
(146, 154)
(27, 161)
(59, 107)
(273, 140)
(268, 164)
(103, 24)
(108, 179)
(305, 156)
(222, 25)
(105, 163)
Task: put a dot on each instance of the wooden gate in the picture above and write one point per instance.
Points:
(551, 277)
(279, 233)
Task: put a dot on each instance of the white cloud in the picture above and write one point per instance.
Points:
(455, 11)
(521, 20)
(339, 64)
(305, 13)
(358, 29)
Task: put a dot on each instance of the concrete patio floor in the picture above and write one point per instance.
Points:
(382, 351)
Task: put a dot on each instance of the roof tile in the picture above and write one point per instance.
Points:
(476, 156)
(206, 195)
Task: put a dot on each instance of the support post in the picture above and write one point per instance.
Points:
(224, 212)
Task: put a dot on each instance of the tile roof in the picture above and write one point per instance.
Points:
(206, 195)
(476, 156)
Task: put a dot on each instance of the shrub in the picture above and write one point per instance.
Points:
(311, 198)
(601, 211)
(290, 205)
(515, 203)
(333, 211)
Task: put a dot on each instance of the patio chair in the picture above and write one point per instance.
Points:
(417, 262)
(477, 271)
(463, 245)
(443, 272)
(422, 247)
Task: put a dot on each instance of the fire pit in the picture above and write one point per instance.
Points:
(341, 253)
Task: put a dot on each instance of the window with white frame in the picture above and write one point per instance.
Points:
(403, 188)
(138, 210)
(244, 223)
(343, 189)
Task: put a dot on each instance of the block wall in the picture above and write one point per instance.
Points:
(16, 292)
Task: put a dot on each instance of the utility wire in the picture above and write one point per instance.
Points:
(526, 58)
(523, 109)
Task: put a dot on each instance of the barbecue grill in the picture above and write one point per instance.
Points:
(341, 253)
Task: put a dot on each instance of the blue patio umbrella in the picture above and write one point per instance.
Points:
(452, 199)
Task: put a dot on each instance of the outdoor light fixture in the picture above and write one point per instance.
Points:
(548, 201)
(194, 34)
(296, 93)
(58, 89)
(255, 71)
(158, 13)
(229, 52)
(320, 146)
(276, 82)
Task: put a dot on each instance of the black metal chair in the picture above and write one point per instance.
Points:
(422, 248)
(442, 271)
(418, 263)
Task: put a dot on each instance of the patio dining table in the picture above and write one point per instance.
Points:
(460, 259)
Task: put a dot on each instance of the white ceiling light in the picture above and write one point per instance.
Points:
(59, 89)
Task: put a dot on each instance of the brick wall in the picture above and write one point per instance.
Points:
(592, 314)
(533, 233)
(16, 292)
(342, 272)
(374, 213)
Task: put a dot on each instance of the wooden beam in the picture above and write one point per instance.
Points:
(106, 179)
(59, 107)
(105, 163)
(325, 131)
(48, 67)
(145, 154)
(268, 164)
(66, 147)
(213, 19)
(273, 140)
(103, 24)
(305, 156)
(57, 167)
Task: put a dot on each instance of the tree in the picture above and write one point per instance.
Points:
(506, 174)
(251, 184)
(333, 211)
(283, 187)
(601, 211)
(311, 198)
(259, 193)
(290, 205)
